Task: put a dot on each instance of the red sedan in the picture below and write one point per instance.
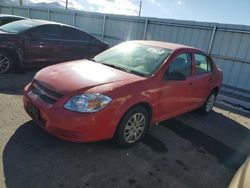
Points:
(122, 92)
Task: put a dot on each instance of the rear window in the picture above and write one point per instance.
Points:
(202, 64)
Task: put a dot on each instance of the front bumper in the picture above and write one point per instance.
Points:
(69, 125)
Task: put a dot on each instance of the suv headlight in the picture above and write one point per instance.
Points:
(87, 102)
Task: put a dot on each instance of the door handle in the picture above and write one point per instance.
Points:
(210, 79)
(190, 83)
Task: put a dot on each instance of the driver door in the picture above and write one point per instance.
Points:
(176, 87)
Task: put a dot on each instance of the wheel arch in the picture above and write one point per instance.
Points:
(215, 90)
(15, 54)
(143, 104)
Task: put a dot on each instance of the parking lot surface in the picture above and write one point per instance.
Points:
(185, 152)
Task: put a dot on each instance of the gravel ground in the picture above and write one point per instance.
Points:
(185, 152)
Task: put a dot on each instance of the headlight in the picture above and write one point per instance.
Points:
(87, 102)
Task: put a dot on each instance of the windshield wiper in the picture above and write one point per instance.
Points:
(124, 69)
(137, 73)
(113, 66)
(6, 31)
(92, 59)
(116, 67)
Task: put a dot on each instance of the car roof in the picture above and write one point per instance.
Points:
(36, 22)
(39, 22)
(11, 16)
(167, 45)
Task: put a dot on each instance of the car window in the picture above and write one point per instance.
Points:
(75, 34)
(5, 21)
(47, 31)
(85, 36)
(70, 33)
(181, 64)
(2, 21)
(202, 64)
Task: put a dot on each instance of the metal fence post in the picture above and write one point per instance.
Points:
(12, 10)
(103, 27)
(29, 12)
(74, 19)
(212, 40)
(48, 14)
(145, 30)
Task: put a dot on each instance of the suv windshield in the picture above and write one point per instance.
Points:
(18, 26)
(135, 58)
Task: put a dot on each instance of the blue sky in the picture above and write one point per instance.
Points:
(222, 11)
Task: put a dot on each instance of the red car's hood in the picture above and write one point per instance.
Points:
(73, 76)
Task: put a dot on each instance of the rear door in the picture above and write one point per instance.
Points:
(78, 44)
(176, 93)
(42, 44)
(75, 44)
(203, 78)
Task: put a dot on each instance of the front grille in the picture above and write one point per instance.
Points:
(65, 133)
(42, 122)
(45, 94)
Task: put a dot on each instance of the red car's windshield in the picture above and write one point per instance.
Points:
(134, 58)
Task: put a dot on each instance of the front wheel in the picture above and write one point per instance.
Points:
(132, 127)
(5, 62)
(208, 106)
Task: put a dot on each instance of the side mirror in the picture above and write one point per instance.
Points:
(175, 76)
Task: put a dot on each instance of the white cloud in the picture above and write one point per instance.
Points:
(179, 2)
(71, 3)
(75, 4)
(155, 2)
(92, 8)
(125, 7)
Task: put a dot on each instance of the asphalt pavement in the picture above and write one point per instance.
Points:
(189, 151)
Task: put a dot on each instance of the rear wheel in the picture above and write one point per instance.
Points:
(6, 62)
(132, 127)
(208, 106)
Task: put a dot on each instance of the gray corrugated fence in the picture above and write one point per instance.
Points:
(228, 44)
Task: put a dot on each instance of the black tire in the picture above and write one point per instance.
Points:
(208, 105)
(120, 136)
(6, 62)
